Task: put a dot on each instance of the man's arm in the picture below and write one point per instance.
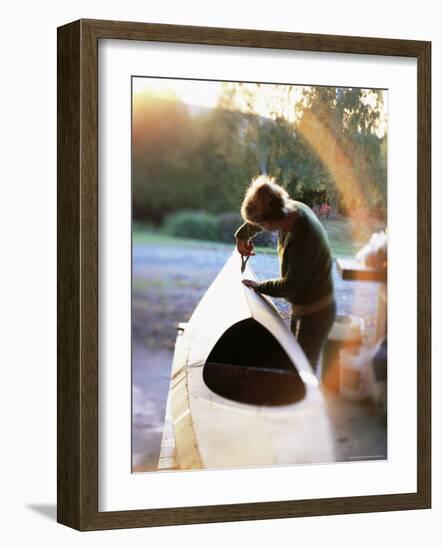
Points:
(299, 266)
(247, 231)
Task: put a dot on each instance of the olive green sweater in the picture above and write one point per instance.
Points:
(305, 260)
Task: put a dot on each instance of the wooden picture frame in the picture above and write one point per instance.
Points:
(77, 225)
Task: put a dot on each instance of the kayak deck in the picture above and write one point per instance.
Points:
(242, 392)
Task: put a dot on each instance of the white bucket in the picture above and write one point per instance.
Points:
(345, 334)
(346, 328)
(355, 373)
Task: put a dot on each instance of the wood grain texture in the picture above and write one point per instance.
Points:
(352, 270)
(77, 226)
(253, 38)
(424, 274)
(77, 276)
(68, 275)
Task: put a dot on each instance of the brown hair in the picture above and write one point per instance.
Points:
(266, 201)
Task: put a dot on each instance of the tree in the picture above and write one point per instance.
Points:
(344, 127)
(330, 147)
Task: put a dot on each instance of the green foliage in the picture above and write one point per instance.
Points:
(266, 239)
(347, 236)
(205, 160)
(353, 117)
(228, 223)
(193, 225)
(204, 226)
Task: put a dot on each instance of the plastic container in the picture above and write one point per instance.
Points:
(346, 334)
(356, 373)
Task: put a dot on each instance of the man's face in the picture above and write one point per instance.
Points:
(269, 226)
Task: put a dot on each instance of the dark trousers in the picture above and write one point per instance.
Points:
(312, 330)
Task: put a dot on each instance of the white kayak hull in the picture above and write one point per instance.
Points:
(242, 392)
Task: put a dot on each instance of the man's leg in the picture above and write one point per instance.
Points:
(312, 330)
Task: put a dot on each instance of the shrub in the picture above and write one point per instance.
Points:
(228, 223)
(193, 224)
(266, 239)
(324, 210)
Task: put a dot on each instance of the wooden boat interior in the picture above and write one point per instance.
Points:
(248, 365)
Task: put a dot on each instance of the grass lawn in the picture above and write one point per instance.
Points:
(345, 236)
(348, 237)
(148, 235)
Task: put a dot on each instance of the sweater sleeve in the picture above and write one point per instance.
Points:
(299, 262)
(247, 231)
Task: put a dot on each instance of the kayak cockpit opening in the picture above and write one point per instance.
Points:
(248, 365)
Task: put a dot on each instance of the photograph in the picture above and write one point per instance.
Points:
(243, 274)
(219, 275)
(259, 274)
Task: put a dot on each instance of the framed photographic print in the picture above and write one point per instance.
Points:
(240, 212)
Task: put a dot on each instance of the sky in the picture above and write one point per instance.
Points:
(205, 93)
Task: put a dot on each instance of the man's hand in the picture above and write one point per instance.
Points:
(250, 283)
(245, 248)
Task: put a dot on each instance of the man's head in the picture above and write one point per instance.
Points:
(266, 203)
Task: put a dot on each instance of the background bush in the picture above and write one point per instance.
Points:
(197, 224)
(193, 225)
(266, 239)
(204, 159)
(228, 223)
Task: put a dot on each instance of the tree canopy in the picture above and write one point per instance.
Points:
(333, 146)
